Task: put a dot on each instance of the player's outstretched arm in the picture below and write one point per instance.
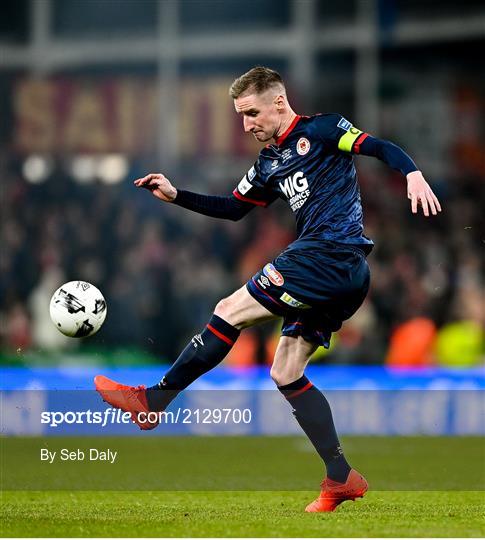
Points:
(159, 185)
(419, 192)
(208, 205)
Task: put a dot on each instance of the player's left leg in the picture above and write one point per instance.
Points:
(313, 413)
(205, 351)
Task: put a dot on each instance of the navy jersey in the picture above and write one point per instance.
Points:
(311, 167)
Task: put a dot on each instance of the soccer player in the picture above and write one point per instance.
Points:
(315, 284)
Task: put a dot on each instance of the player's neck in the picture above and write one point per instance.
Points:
(285, 124)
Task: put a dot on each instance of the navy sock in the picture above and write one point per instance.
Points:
(312, 411)
(204, 352)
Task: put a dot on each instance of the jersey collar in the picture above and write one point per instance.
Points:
(281, 138)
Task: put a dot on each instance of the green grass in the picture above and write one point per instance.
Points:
(238, 514)
(241, 463)
(240, 486)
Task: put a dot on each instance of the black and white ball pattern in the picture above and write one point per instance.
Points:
(78, 309)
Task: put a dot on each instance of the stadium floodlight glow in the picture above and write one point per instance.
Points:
(83, 169)
(112, 168)
(36, 169)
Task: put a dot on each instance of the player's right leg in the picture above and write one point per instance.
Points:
(315, 286)
(205, 351)
(312, 411)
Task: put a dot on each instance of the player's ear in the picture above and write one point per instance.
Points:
(279, 101)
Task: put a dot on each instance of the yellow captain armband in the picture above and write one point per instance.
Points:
(347, 140)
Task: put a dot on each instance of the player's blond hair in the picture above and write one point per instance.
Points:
(257, 80)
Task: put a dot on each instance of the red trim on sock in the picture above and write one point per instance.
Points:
(307, 386)
(220, 335)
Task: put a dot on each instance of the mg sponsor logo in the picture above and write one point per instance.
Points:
(295, 188)
(294, 184)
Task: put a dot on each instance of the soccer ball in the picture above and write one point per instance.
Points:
(78, 309)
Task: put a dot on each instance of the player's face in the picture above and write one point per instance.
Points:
(261, 114)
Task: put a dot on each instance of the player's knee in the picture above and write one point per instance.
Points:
(276, 375)
(286, 373)
(282, 375)
(224, 309)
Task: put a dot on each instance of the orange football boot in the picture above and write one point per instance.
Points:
(333, 493)
(130, 399)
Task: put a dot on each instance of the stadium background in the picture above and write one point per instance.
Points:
(97, 93)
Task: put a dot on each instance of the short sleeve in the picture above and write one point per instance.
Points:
(251, 188)
(339, 134)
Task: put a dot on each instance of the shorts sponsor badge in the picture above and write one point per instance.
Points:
(293, 302)
(273, 275)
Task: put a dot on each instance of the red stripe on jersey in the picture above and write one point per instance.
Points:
(220, 335)
(246, 199)
(298, 392)
(358, 142)
(281, 138)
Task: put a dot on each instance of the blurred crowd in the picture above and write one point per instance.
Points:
(162, 268)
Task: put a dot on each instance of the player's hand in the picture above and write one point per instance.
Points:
(419, 192)
(159, 185)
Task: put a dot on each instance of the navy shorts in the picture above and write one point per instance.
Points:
(314, 285)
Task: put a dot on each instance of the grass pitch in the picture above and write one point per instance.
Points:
(419, 487)
(239, 514)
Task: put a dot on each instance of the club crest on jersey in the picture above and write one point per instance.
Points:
(303, 146)
(274, 165)
(273, 275)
